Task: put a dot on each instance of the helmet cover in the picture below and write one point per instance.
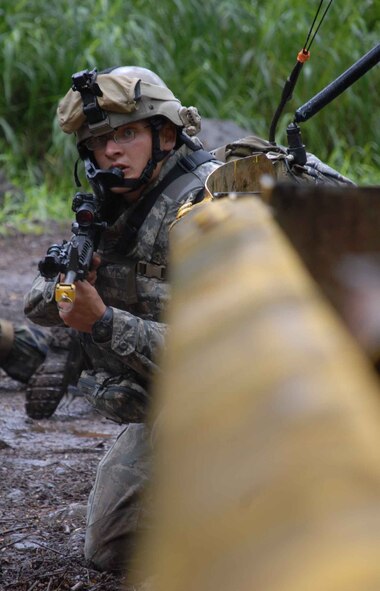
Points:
(125, 99)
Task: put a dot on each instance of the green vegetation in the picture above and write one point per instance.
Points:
(230, 59)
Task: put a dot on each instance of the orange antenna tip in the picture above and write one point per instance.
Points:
(303, 56)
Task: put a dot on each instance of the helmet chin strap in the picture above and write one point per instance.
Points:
(102, 180)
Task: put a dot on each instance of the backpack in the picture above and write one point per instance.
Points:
(314, 171)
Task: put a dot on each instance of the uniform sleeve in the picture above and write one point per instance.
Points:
(136, 342)
(39, 303)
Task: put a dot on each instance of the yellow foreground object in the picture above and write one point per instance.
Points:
(268, 440)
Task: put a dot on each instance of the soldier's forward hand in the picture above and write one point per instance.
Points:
(92, 274)
(88, 307)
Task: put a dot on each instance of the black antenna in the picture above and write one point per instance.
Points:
(323, 98)
(287, 92)
(290, 83)
(335, 88)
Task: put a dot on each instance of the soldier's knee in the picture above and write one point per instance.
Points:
(117, 510)
(108, 552)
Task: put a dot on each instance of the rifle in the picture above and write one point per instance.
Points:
(73, 258)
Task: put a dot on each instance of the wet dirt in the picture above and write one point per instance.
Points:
(47, 467)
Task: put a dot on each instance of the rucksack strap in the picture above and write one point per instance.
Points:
(185, 165)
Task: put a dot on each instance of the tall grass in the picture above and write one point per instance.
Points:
(230, 59)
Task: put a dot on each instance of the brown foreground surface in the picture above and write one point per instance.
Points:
(46, 467)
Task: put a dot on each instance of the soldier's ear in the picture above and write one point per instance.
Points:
(168, 136)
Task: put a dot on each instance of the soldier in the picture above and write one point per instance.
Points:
(139, 149)
(47, 361)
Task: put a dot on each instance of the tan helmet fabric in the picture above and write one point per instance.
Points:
(118, 96)
(124, 102)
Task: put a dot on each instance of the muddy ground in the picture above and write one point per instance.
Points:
(46, 467)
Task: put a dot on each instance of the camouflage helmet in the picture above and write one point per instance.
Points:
(122, 95)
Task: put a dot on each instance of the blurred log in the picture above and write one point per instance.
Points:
(267, 465)
(336, 231)
(327, 224)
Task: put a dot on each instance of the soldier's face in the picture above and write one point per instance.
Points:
(132, 156)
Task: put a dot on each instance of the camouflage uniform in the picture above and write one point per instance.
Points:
(118, 372)
(24, 349)
(46, 360)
